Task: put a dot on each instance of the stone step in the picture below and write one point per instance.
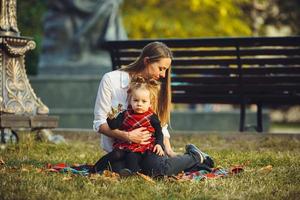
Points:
(180, 120)
(66, 91)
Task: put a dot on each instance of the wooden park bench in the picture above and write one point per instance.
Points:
(263, 71)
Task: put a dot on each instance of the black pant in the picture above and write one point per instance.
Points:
(154, 165)
(131, 160)
(106, 161)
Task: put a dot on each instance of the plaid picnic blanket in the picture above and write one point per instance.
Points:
(86, 170)
(215, 173)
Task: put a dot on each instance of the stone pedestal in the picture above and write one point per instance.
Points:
(19, 105)
(72, 98)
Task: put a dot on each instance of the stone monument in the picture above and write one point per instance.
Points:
(73, 32)
(72, 60)
(19, 105)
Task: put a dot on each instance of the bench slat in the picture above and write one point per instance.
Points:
(207, 42)
(223, 99)
(227, 62)
(234, 99)
(246, 80)
(228, 71)
(235, 88)
(133, 54)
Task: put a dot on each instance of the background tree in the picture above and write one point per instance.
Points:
(181, 19)
(30, 16)
(273, 17)
(189, 18)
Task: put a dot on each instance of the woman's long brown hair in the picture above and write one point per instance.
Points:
(155, 51)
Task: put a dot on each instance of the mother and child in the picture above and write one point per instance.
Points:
(136, 139)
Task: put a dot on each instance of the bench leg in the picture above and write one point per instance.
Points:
(259, 127)
(242, 117)
(2, 136)
(15, 135)
(9, 135)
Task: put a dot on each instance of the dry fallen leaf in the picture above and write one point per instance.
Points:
(246, 163)
(2, 162)
(147, 178)
(67, 178)
(51, 170)
(107, 173)
(236, 169)
(94, 176)
(266, 169)
(25, 170)
(48, 166)
(110, 176)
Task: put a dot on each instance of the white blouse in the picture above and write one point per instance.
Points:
(112, 91)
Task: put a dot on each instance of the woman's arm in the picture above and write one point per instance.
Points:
(139, 135)
(168, 149)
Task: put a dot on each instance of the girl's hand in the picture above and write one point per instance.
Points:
(158, 150)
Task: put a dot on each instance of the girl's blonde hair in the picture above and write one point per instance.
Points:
(155, 51)
(151, 85)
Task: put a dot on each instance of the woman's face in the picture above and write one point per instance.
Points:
(157, 70)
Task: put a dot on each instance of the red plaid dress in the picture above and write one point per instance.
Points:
(132, 121)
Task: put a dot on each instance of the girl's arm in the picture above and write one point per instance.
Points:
(158, 131)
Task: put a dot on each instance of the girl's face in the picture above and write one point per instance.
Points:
(140, 100)
(157, 70)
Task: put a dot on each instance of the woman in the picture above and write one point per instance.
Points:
(153, 62)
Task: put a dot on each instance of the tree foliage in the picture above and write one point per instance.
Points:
(189, 18)
(179, 19)
(279, 14)
(30, 14)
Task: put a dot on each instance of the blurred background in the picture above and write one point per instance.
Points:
(172, 19)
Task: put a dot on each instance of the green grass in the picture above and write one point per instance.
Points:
(21, 177)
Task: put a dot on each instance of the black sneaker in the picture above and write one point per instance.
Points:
(192, 149)
(125, 172)
(209, 161)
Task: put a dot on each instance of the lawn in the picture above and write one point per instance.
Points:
(23, 174)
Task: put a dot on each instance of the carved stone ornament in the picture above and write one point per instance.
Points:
(8, 20)
(19, 106)
(17, 95)
(18, 47)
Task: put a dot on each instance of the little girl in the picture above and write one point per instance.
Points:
(142, 98)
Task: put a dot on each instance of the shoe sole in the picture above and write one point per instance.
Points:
(201, 155)
(125, 173)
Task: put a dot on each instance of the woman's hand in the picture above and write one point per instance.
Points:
(171, 153)
(158, 150)
(168, 149)
(140, 136)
